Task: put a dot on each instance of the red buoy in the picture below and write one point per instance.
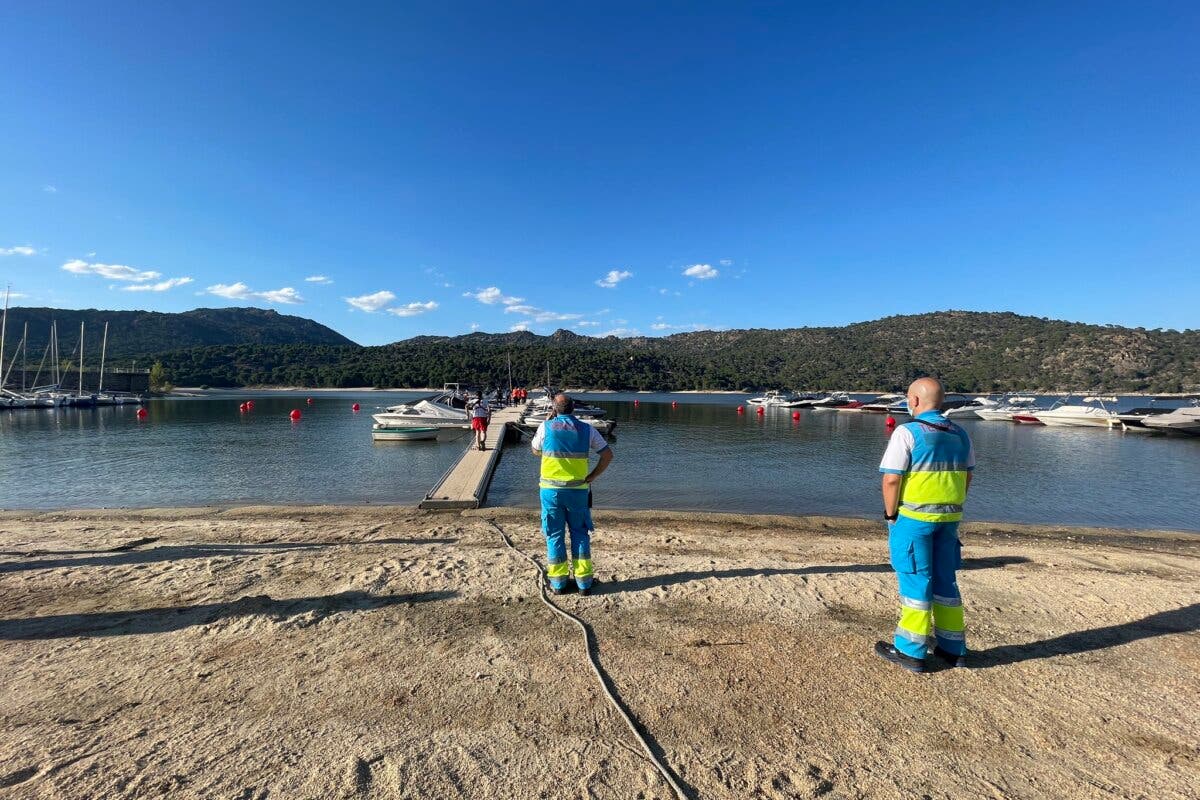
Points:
(741, 410)
(796, 415)
(142, 413)
(674, 403)
(244, 407)
(355, 408)
(249, 405)
(760, 411)
(890, 421)
(637, 402)
(310, 401)
(295, 415)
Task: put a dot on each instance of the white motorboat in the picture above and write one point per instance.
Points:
(1003, 411)
(774, 398)
(883, 403)
(1093, 414)
(971, 408)
(605, 426)
(448, 408)
(403, 433)
(832, 400)
(1181, 420)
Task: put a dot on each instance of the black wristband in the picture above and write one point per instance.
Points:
(893, 517)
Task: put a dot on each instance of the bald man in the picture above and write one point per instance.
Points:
(926, 473)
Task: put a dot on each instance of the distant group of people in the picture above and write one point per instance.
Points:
(926, 469)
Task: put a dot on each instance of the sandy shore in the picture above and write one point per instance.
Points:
(389, 653)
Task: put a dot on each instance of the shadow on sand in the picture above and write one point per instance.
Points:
(1179, 620)
(124, 556)
(675, 578)
(165, 620)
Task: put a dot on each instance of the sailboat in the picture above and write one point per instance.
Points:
(79, 399)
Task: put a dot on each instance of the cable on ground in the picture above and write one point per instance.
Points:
(589, 643)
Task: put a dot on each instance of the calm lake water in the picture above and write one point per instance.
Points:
(700, 455)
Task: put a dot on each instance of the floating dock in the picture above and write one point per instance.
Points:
(466, 483)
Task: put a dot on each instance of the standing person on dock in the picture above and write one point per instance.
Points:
(926, 473)
(564, 443)
(481, 414)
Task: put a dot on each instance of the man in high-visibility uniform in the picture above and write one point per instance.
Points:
(926, 473)
(564, 443)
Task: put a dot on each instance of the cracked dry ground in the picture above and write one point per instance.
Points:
(386, 653)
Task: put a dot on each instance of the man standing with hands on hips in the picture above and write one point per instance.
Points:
(926, 473)
(564, 443)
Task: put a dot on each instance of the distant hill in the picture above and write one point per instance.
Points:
(141, 334)
(971, 351)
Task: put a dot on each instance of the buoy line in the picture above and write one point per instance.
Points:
(594, 660)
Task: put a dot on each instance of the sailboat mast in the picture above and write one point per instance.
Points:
(57, 362)
(3, 331)
(80, 357)
(24, 357)
(103, 353)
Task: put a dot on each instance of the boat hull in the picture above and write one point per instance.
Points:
(404, 433)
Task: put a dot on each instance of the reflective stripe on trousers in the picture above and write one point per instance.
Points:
(926, 556)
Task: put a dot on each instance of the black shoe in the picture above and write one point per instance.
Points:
(567, 589)
(890, 653)
(953, 659)
(588, 590)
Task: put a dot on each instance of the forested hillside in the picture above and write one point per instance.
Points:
(140, 334)
(971, 351)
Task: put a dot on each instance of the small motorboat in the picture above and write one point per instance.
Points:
(1180, 420)
(971, 408)
(883, 404)
(832, 400)
(774, 398)
(1006, 408)
(403, 433)
(1092, 414)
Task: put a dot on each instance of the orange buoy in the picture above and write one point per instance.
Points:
(355, 408)
(295, 415)
(142, 413)
(796, 415)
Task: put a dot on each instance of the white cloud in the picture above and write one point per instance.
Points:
(726, 262)
(114, 272)
(161, 286)
(19, 250)
(520, 326)
(586, 323)
(285, 296)
(702, 272)
(371, 303)
(492, 295)
(664, 326)
(622, 332)
(540, 314)
(16, 295)
(321, 279)
(474, 326)
(413, 309)
(240, 291)
(49, 189)
(613, 277)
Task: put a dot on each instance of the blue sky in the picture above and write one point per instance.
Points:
(604, 166)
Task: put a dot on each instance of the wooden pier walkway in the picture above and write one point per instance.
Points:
(466, 483)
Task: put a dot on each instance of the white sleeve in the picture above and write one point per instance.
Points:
(898, 456)
(597, 442)
(539, 437)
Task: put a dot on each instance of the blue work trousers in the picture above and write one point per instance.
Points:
(926, 556)
(562, 509)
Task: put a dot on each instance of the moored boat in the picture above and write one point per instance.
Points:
(403, 433)
(1091, 414)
